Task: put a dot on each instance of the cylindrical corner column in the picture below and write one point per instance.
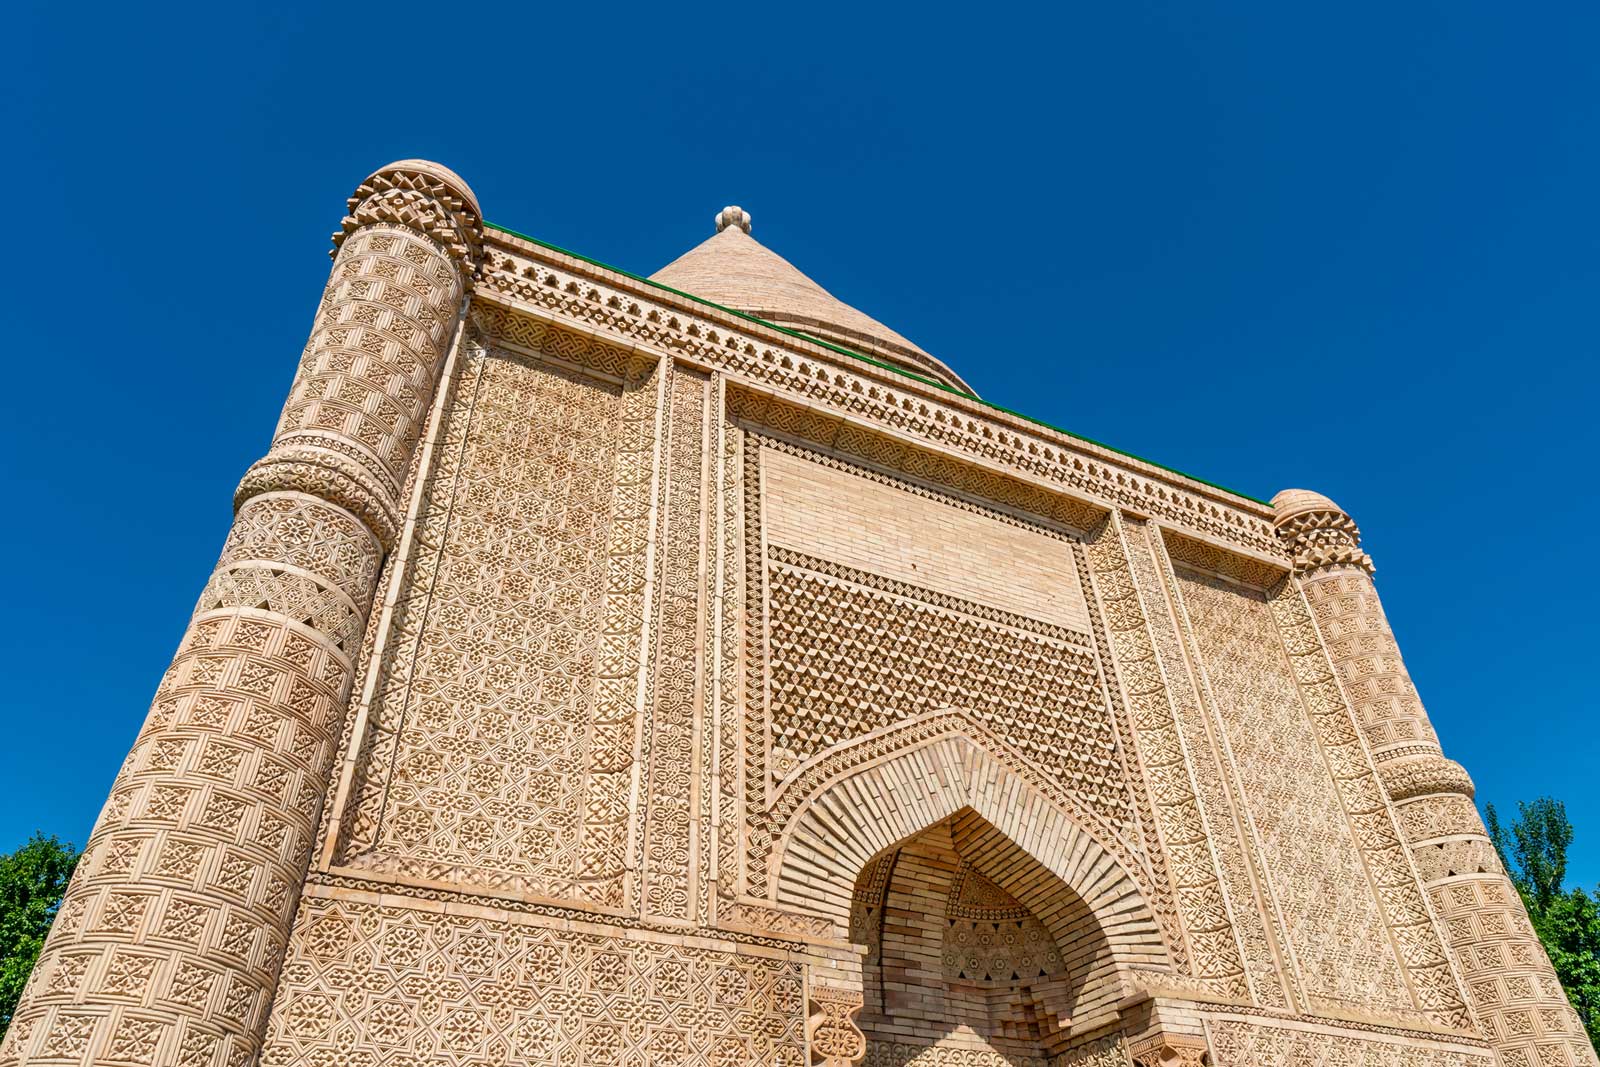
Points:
(168, 944)
(1513, 989)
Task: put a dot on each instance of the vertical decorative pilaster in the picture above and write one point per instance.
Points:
(831, 1030)
(1212, 939)
(672, 772)
(167, 947)
(1514, 993)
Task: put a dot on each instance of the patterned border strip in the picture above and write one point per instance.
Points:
(1350, 1049)
(1239, 863)
(605, 843)
(1185, 835)
(757, 836)
(342, 880)
(669, 757)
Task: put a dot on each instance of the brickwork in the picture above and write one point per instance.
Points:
(957, 962)
(839, 513)
(612, 679)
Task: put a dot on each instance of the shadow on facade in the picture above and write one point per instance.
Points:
(975, 950)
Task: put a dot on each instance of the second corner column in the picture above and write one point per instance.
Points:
(1512, 987)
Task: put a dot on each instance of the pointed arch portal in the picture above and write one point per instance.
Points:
(990, 917)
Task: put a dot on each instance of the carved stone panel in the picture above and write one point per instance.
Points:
(478, 772)
(404, 986)
(1335, 927)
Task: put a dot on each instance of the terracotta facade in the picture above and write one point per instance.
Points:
(598, 675)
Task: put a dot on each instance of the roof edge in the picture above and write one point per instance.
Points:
(880, 364)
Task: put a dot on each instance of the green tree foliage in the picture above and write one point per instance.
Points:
(32, 880)
(1534, 851)
(1570, 930)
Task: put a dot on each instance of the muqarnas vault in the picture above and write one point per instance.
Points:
(600, 674)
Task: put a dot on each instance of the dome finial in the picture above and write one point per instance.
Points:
(733, 216)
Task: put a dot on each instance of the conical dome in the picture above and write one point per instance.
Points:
(735, 270)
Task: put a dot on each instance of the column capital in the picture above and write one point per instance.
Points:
(1170, 1050)
(426, 196)
(1319, 533)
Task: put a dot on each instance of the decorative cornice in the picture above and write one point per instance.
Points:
(427, 197)
(1318, 533)
(540, 282)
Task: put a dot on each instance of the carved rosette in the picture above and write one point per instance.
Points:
(831, 1030)
(1516, 999)
(168, 944)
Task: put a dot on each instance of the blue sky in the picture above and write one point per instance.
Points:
(1352, 250)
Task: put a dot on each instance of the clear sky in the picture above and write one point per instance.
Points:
(1351, 249)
